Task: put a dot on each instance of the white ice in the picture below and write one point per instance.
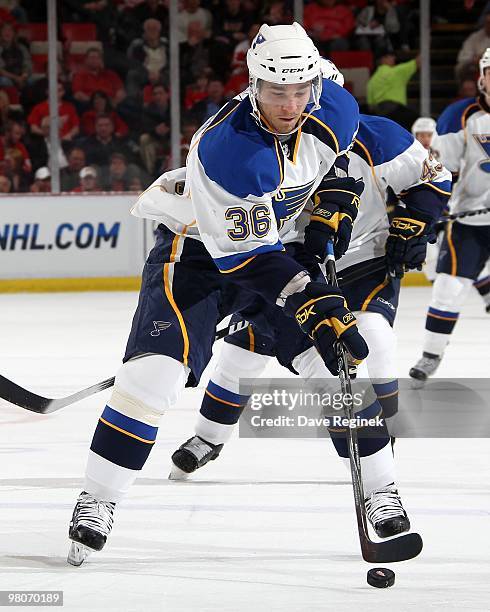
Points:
(269, 526)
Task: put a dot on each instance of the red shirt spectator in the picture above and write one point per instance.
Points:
(326, 20)
(94, 77)
(68, 118)
(12, 140)
(102, 105)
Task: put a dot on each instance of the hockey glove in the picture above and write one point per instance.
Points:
(321, 312)
(406, 246)
(336, 205)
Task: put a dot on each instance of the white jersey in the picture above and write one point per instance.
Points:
(386, 155)
(244, 189)
(463, 145)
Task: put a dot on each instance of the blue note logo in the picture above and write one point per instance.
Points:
(484, 141)
(159, 327)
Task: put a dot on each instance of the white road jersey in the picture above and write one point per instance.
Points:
(463, 143)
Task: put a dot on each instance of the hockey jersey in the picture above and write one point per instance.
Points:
(386, 155)
(244, 188)
(463, 143)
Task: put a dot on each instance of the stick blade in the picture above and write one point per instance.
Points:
(15, 394)
(402, 548)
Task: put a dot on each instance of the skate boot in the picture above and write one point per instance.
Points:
(90, 525)
(425, 367)
(385, 512)
(192, 455)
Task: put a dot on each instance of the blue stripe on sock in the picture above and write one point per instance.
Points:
(386, 388)
(142, 430)
(225, 395)
(443, 313)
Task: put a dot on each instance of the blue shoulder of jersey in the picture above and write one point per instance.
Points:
(336, 122)
(239, 156)
(451, 119)
(383, 138)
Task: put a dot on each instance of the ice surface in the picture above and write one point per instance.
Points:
(268, 526)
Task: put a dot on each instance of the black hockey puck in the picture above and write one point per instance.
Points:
(381, 577)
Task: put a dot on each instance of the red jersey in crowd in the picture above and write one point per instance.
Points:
(68, 117)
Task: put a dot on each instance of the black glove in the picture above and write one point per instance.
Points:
(321, 312)
(406, 246)
(336, 205)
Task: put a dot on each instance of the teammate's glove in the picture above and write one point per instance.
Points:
(321, 312)
(406, 246)
(336, 206)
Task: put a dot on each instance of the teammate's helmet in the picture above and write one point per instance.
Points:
(484, 63)
(331, 72)
(284, 54)
(424, 124)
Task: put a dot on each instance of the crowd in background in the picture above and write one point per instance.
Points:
(114, 112)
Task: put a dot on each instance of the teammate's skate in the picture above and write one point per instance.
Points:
(90, 525)
(425, 367)
(385, 512)
(192, 455)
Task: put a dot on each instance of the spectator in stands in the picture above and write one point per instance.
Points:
(277, 13)
(42, 181)
(70, 175)
(101, 145)
(6, 113)
(14, 9)
(13, 140)
(387, 89)
(100, 12)
(100, 104)
(151, 9)
(95, 77)
(194, 54)
(197, 91)
(12, 166)
(120, 174)
(230, 24)
(375, 25)
(88, 180)
(39, 146)
(15, 60)
(156, 127)
(215, 100)
(5, 184)
(238, 80)
(472, 50)
(69, 123)
(148, 57)
(193, 12)
(330, 24)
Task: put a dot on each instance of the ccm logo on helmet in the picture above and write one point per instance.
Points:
(293, 70)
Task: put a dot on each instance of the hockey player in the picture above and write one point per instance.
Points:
(384, 154)
(464, 148)
(250, 170)
(424, 130)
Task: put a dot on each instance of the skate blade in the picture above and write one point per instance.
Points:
(177, 474)
(78, 553)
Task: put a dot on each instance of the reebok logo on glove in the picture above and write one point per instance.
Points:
(408, 227)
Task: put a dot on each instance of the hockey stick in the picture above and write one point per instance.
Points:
(15, 394)
(466, 213)
(389, 551)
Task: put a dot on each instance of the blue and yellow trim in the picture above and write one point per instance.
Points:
(128, 426)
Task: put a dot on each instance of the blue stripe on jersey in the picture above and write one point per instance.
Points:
(336, 122)
(445, 186)
(370, 412)
(443, 313)
(239, 156)
(228, 263)
(388, 388)
(132, 426)
(450, 120)
(383, 138)
(225, 395)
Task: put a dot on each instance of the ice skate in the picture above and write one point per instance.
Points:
(385, 512)
(192, 455)
(90, 525)
(425, 367)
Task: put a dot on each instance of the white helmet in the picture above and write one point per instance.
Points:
(484, 63)
(331, 72)
(284, 54)
(424, 124)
